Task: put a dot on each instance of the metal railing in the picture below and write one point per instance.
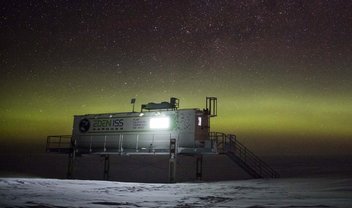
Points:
(252, 164)
(117, 143)
(60, 144)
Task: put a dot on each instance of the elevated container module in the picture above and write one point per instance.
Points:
(143, 132)
(158, 129)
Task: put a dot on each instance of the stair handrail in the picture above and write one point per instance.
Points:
(250, 157)
(229, 143)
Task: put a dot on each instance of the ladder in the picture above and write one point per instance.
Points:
(242, 156)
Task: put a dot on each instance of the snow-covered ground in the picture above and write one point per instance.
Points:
(293, 192)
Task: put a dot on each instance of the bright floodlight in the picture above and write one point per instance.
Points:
(159, 123)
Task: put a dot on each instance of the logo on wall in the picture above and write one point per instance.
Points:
(84, 125)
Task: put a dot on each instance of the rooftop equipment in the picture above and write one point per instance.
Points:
(172, 105)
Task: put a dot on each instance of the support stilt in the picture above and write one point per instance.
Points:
(199, 167)
(70, 166)
(172, 161)
(106, 167)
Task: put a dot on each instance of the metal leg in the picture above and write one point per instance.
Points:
(172, 161)
(70, 167)
(106, 167)
(172, 170)
(199, 167)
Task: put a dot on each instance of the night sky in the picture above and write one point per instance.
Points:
(281, 69)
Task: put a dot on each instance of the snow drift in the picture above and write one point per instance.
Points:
(299, 192)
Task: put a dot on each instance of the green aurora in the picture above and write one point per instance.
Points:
(281, 70)
(270, 112)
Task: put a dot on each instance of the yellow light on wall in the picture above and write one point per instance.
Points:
(199, 121)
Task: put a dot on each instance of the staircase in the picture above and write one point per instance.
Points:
(242, 156)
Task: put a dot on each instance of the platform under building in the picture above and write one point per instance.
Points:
(158, 129)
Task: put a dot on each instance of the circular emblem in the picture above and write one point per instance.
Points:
(84, 125)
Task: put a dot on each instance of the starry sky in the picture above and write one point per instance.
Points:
(281, 69)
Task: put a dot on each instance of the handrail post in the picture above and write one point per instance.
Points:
(47, 143)
(245, 154)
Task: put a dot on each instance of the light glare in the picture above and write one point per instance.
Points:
(160, 123)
